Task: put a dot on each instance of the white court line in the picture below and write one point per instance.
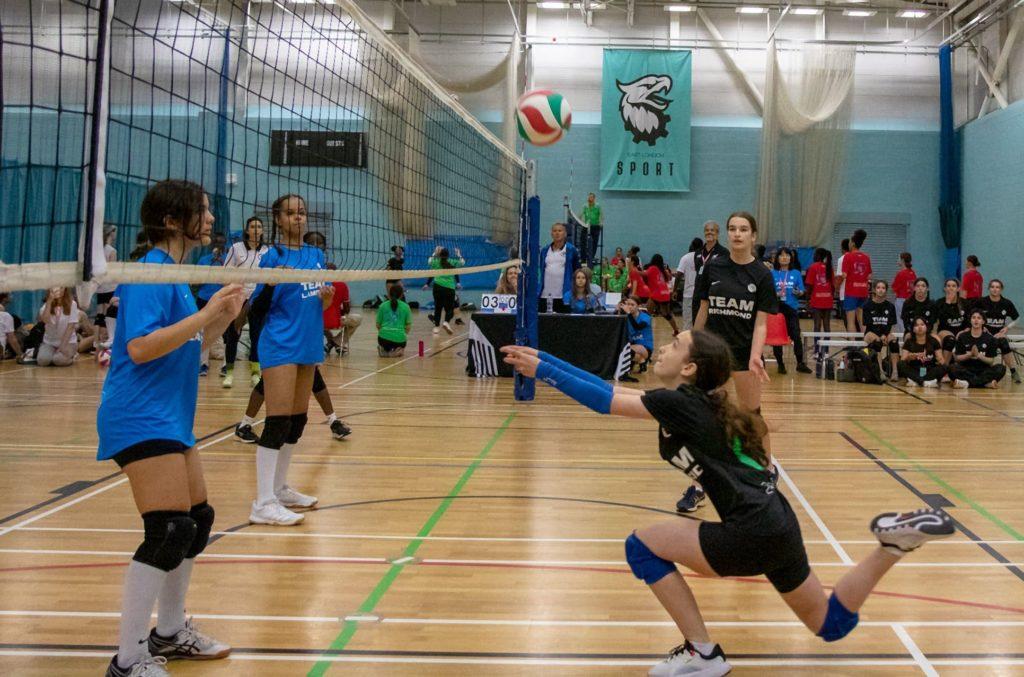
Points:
(456, 562)
(498, 539)
(508, 622)
(210, 443)
(914, 650)
(843, 556)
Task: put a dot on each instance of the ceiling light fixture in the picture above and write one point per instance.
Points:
(912, 14)
(807, 11)
(749, 9)
(553, 5)
(679, 8)
(859, 12)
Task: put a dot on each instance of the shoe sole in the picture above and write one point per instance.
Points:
(275, 524)
(197, 657)
(932, 524)
(245, 441)
(295, 506)
(695, 508)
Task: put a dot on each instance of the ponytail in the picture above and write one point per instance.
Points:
(395, 292)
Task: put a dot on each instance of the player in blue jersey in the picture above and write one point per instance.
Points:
(291, 346)
(641, 334)
(145, 422)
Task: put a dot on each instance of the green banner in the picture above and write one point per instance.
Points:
(645, 120)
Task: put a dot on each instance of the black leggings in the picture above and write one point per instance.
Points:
(444, 298)
(912, 372)
(793, 329)
(822, 321)
(977, 377)
(255, 327)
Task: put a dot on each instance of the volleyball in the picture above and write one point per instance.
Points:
(103, 357)
(543, 117)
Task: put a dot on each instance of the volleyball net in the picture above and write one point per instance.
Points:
(251, 100)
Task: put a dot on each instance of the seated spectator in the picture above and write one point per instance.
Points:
(1000, 316)
(641, 334)
(950, 318)
(637, 282)
(581, 299)
(601, 274)
(394, 320)
(618, 279)
(880, 327)
(8, 330)
(59, 317)
(619, 257)
(789, 285)
(976, 356)
(921, 358)
(508, 283)
(658, 277)
(918, 305)
(339, 320)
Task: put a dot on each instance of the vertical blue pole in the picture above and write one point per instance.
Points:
(950, 217)
(220, 192)
(529, 282)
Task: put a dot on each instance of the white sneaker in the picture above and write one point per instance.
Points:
(960, 384)
(151, 666)
(290, 498)
(911, 383)
(274, 513)
(899, 533)
(189, 644)
(447, 327)
(437, 330)
(931, 384)
(685, 660)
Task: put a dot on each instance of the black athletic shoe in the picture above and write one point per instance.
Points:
(150, 666)
(900, 533)
(339, 429)
(691, 500)
(244, 433)
(782, 368)
(223, 370)
(629, 379)
(803, 368)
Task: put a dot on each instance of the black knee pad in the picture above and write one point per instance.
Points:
(318, 382)
(876, 346)
(259, 387)
(99, 319)
(169, 535)
(202, 514)
(276, 431)
(298, 425)
(948, 343)
(894, 347)
(111, 312)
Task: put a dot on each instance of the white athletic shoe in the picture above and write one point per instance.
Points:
(189, 644)
(961, 384)
(151, 666)
(273, 513)
(685, 660)
(931, 384)
(290, 498)
(899, 533)
(911, 383)
(447, 327)
(436, 330)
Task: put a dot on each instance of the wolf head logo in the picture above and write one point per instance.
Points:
(643, 110)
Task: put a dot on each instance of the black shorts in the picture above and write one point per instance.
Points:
(740, 357)
(1003, 344)
(104, 297)
(390, 345)
(148, 449)
(738, 550)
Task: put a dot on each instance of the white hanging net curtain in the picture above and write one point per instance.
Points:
(803, 142)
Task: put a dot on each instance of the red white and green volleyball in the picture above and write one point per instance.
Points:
(543, 117)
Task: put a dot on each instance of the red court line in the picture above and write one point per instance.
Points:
(546, 567)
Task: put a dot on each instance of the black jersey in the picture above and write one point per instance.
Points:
(997, 313)
(702, 256)
(735, 293)
(987, 346)
(691, 438)
(950, 317)
(930, 347)
(879, 318)
(913, 309)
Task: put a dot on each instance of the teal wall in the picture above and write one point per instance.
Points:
(890, 173)
(993, 196)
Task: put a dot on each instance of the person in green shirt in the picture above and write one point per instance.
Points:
(444, 287)
(394, 320)
(618, 277)
(593, 219)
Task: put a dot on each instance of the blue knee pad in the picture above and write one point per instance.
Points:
(646, 566)
(839, 621)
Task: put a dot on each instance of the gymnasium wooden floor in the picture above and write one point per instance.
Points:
(463, 533)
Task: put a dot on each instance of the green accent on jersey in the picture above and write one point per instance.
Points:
(393, 322)
(591, 215)
(445, 280)
(737, 448)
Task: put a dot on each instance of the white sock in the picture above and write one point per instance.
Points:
(284, 458)
(142, 584)
(332, 418)
(248, 420)
(111, 324)
(171, 602)
(204, 356)
(704, 648)
(266, 463)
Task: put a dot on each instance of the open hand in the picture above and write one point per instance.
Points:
(522, 361)
(227, 300)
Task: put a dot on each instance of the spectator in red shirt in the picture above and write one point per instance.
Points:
(903, 287)
(973, 283)
(637, 282)
(820, 285)
(339, 321)
(658, 277)
(856, 273)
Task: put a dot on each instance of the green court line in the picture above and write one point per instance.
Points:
(980, 509)
(370, 603)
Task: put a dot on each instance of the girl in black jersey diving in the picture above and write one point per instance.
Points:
(702, 433)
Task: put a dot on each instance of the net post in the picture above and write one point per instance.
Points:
(529, 281)
(91, 242)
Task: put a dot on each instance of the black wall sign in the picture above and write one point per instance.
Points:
(296, 148)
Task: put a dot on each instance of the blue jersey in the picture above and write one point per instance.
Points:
(207, 290)
(155, 400)
(787, 282)
(641, 331)
(293, 332)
